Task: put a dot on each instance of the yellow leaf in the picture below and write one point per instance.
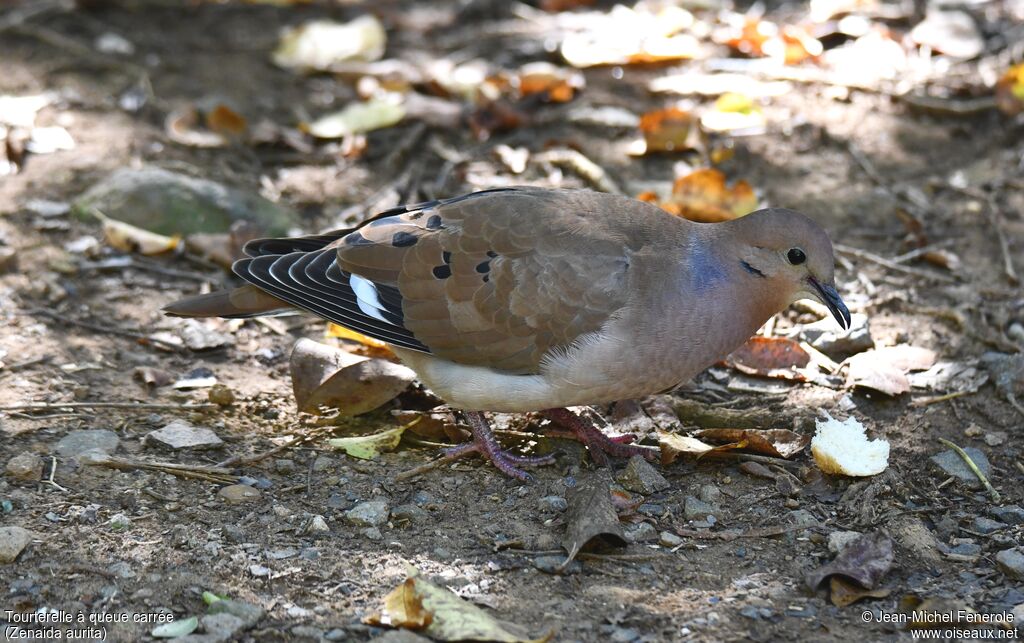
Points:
(334, 330)
(368, 447)
(702, 195)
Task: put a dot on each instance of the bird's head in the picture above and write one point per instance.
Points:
(792, 256)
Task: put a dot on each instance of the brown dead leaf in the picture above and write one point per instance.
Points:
(226, 121)
(702, 195)
(756, 37)
(885, 369)
(669, 130)
(127, 238)
(943, 259)
(555, 6)
(674, 445)
(864, 561)
(323, 376)
(555, 84)
(591, 520)
(778, 443)
(844, 592)
(495, 116)
(438, 426)
(1010, 91)
(769, 357)
(403, 608)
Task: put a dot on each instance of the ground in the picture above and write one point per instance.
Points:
(479, 533)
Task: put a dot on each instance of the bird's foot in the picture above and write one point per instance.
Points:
(600, 445)
(487, 446)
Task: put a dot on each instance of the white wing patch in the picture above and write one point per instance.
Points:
(366, 297)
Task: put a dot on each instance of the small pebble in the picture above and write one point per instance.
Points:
(78, 442)
(984, 525)
(553, 503)
(25, 466)
(221, 395)
(695, 509)
(839, 540)
(372, 533)
(640, 477)
(12, 541)
(120, 522)
(237, 494)
(1011, 563)
(409, 513)
(553, 565)
(317, 525)
(641, 532)
(368, 514)
(668, 539)
(1011, 514)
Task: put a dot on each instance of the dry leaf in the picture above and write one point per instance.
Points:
(1010, 90)
(885, 369)
(864, 561)
(356, 118)
(438, 613)
(333, 378)
(319, 44)
(633, 36)
(668, 130)
(556, 84)
(769, 357)
(555, 6)
(756, 38)
(334, 330)
(127, 238)
(224, 120)
(733, 112)
(591, 519)
(368, 447)
(702, 195)
(673, 445)
(190, 125)
(844, 592)
(778, 443)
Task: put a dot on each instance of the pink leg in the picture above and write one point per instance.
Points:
(599, 444)
(487, 445)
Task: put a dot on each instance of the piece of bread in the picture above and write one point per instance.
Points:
(843, 448)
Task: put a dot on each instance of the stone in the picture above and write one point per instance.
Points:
(553, 503)
(553, 565)
(668, 539)
(221, 395)
(839, 540)
(757, 470)
(25, 466)
(640, 477)
(409, 513)
(372, 513)
(223, 626)
(179, 434)
(984, 525)
(120, 522)
(1011, 563)
(641, 532)
(371, 533)
(951, 464)
(12, 541)
(696, 509)
(710, 494)
(237, 494)
(249, 614)
(829, 339)
(1010, 514)
(79, 442)
(803, 518)
(318, 525)
(966, 549)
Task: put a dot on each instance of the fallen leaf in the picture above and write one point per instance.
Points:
(555, 84)
(340, 332)
(843, 592)
(214, 127)
(755, 37)
(323, 376)
(432, 425)
(320, 44)
(944, 259)
(885, 369)
(356, 118)
(864, 561)
(702, 195)
(591, 520)
(127, 238)
(368, 447)
(673, 445)
(953, 33)
(175, 629)
(733, 112)
(1010, 90)
(152, 377)
(778, 443)
(440, 614)
(669, 130)
(626, 36)
(555, 6)
(495, 116)
(769, 357)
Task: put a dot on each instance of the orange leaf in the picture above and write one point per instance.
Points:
(224, 120)
(403, 608)
(762, 355)
(668, 130)
(702, 195)
(778, 443)
(1010, 91)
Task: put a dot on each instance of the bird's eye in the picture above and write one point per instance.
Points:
(796, 256)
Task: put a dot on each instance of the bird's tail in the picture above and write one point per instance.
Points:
(244, 301)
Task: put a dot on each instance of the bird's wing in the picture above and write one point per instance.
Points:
(496, 278)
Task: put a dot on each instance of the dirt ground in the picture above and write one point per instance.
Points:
(109, 541)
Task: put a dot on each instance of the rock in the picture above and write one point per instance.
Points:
(221, 395)
(984, 525)
(553, 565)
(368, 514)
(641, 532)
(249, 614)
(695, 509)
(1011, 514)
(640, 477)
(668, 539)
(120, 522)
(827, 338)
(12, 540)
(995, 438)
(409, 513)
(371, 533)
(951, 464)
(237, 494)
(757, 470)
(317, 525)
(179, 434)
(710, 494)
(307, 633)
(223, 626)
(285, 466)
(803, 518)
(838, 540)
(79, 442)
(966, 549)
(553, 503)
(24, 466)
(914, 536)
(199, 336)
(1011, 563)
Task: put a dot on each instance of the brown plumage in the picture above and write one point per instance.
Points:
(521, 299)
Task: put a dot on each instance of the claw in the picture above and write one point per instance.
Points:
(598, 444)
(487, 446)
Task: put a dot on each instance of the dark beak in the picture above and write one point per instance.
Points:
(835, 304)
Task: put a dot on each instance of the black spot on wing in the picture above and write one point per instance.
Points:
(442, 272)
(446, 256)
(434, 222)
(404, 240)
(484, 267)
(357, 239)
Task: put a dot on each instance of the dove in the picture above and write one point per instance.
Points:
(525, 299)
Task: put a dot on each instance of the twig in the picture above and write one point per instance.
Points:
(586, 168)
(26, 364)
(891, 265)
(312, 435)
(748, 457)
(142, 338)
(974, 468)
(928, 401)
(198, 472)
(122, 263)
(53, 471)
(141, 406)
(923, 250)
(430, 466)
